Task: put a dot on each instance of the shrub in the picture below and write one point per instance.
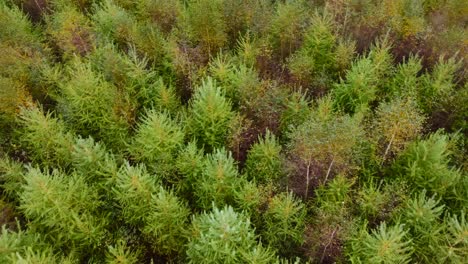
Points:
(284, 223)
(134, 188)
(219, 180)
(425, 165)
(11, 177)
(156, 142)
(166, 223)
(189, 164)
(113, 24)
(386, 244)
(364, 80)
(397, 123)
(71, 32)
(45, 137)
(455, 241)
(422, 216)
(94, 107)
(325, 145)
(224, 236)
(121, 254)
(264, 161)
(287, 25)
(64, 207)
(205, 24)
(210, 115)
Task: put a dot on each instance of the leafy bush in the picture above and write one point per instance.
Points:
(253, 131)
(229, 236)
(211, 114)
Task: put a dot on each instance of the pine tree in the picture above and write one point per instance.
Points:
(425, 165)
(264, 161)
(386, 244)
(284, 223)
(95, 107)
(219, 180)
(45, 137)
(65, 208)
(210, 115)
(157, 140)
(224, 236)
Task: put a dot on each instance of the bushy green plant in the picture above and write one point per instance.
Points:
(295, 113)
(406, 81)
(46, 137)
(226, 236)
(71, 32)
(157, 140)
(11, 177)
(317, 61)
(205, 24)
(421, 215)
(287, 26)
(121, 254)
(134, 189)
(425, 165)
(264, 161)
(364, 80)
(166, 223)
(284, 223)
(210, 115)
(95, 107)
(323, 146)
(113, 23)
(397, 123)
(163, 14)
(93, 162)
(189, 164)
(453, 249)
(65, 208)
(219, 180)
(439, 84)
(386, 244)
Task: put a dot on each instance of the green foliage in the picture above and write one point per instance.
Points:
(397, 123)
(386, 244)
(406, 81)
(189, 164)
(11, 177)
(455, 240)
(157, 140)
(421, 215)
(71, 31)
(364, 80)
(219, 180)
(224, 236)
(287, 26)
(439, 84)
(166, 131)
(95, 107)
(121, 254)
(320, 58)
(264, 161)
(327, 141)
(113, 23)
(166, 223)
(64, 207)
(425, 165)
(45, 137)
(211, 114)
(205, 24)
(296, 112)
(133, 190)
(284, 223)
